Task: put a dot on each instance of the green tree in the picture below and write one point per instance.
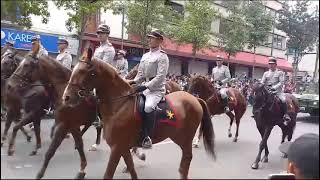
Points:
(80, 12)
(19, 11)
(302, 28)
(195, 28)
(144, 15)
(259, 24)
(234, 36)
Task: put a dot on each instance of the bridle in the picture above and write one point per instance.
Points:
(84, 92)
(5, 75)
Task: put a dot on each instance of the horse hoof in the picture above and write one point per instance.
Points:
(143, 157)
(33, 153)
(29, 139)
(125, 170)
(235, 140)
(229, 135)
(39, 176)
(80, 175)
(93, 147)
(265, 160)
(255, 166)
(195, 145)
(284, 155)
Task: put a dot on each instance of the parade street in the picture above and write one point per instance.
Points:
(233, 159)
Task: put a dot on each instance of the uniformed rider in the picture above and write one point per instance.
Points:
(105, 52)
(221, 75)
(152, 72)
(64, 57)
(275, 78)
(122, 63)
(9, 47)
(37, 46)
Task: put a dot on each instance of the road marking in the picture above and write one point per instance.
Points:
(27, 165)
(18, 167)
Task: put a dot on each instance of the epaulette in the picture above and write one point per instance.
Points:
(163, 51)
(109, 43)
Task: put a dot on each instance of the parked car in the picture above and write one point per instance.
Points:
(309, 101)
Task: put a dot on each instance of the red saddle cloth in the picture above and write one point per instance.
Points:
(165, 113)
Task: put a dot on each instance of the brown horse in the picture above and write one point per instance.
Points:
(11, 102)
(171, 86)
(202, 87)
(267, 113)
(51, 73)
(117, 104)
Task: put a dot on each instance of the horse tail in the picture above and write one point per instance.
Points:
(206, 128)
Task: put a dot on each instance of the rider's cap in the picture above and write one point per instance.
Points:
(272, 60)
(304, 153)
(156, 34)
(219, 58)
(103, 28)
(123, 52)
(62, 40)
(35, 38)
(10, 42)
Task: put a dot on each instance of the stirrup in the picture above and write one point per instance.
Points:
(147, 143)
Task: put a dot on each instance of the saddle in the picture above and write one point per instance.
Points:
(279, 101)
(164, 112)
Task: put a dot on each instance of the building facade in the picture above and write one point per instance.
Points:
(181, 61)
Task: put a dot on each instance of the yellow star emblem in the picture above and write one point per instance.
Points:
(170, 114)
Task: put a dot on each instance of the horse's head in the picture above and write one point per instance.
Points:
(260, 93)
(9, 64)
(25, 75)
(200, 86)
(82, 81)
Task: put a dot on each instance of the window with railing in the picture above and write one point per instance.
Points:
(175, 6)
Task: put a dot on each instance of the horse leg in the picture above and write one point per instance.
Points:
(231, 116)
(141, 156)
(6, 128)
(197, 136)
(25, 120)
(129, 163)
(238, 116)
(265, 158)
(185, 160)
(58, 137)
(94, 146)
(52, 130)
(113, 162)
(79, 145)
(262, 146)
(136, 152)
(26, 134)
(37, 126)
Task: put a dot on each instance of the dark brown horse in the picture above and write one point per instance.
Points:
(202, 87)
(267, 114)
(12, 103)
(51, 73)
(121, 129)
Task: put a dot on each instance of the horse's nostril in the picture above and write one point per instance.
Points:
(67, 98)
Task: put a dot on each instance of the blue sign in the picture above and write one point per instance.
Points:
(23, 39)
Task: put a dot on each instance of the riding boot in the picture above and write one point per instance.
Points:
(286, 116)
(225, 104)
(147, 127)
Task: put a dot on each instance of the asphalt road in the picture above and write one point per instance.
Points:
(233, 159)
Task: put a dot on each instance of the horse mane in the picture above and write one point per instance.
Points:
(203, 78)
(61, 72)
(133, 72)
(111, 71)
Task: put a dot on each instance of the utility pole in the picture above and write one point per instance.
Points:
(122, 24)
(316, 68)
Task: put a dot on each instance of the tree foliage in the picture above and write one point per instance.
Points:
(301, 27)
(259, 23)
(234, 35)
(144, 15)
(80, 9)
(19, 11)
(195, 28)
